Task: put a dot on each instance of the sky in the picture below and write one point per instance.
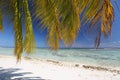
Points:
(83, 39)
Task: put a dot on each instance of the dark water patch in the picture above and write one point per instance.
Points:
(59, 55)
(118, 58)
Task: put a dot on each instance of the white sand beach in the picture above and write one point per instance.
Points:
(36, 69)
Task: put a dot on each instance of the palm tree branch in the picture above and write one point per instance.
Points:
(29, 42)
(70, 20)
(1, 25)
(48, 13)
(18, 30)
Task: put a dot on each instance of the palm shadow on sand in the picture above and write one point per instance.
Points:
(7, 74)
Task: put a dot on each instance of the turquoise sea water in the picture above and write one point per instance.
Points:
(101, 57)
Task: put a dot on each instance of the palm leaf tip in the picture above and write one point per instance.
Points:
(70, 21)
(107, 18)
(29, 42)
(1, 25)
(18, 30)
(49, 15)
(18, 53)
(104, 15)
(1, 28)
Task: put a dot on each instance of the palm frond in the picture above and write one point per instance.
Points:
(106, 15)
(97, 40)
(48, 13)
(18, 31)
(82, 4)
(29, 42)
(70, 20)
(107, 18)
(1, 20)
(91, 9)
(60, 17)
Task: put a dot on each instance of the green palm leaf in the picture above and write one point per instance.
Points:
(18, 30)
(70, 20)
(106, 15)
(29, 42)
(47, 12)
(1, 26)
(61, 18)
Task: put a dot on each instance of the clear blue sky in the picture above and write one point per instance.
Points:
(83, 39)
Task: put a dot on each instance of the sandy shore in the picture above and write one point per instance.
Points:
(36, 69)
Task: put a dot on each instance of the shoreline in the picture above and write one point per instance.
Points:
(47, 68)
(68, 64)
(77, 65)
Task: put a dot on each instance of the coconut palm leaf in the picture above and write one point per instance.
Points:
(29, 42)
(47, 12)
(82, 4)
(1, 26)
(70, 20)
(91, 9)
(17, 10)
(62, 19)
(18, 30)
(106, 15)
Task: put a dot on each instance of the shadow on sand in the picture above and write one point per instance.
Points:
(7, 74)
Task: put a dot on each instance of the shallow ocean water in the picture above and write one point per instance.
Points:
(100, 57)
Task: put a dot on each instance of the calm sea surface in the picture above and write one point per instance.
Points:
(104, 57)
